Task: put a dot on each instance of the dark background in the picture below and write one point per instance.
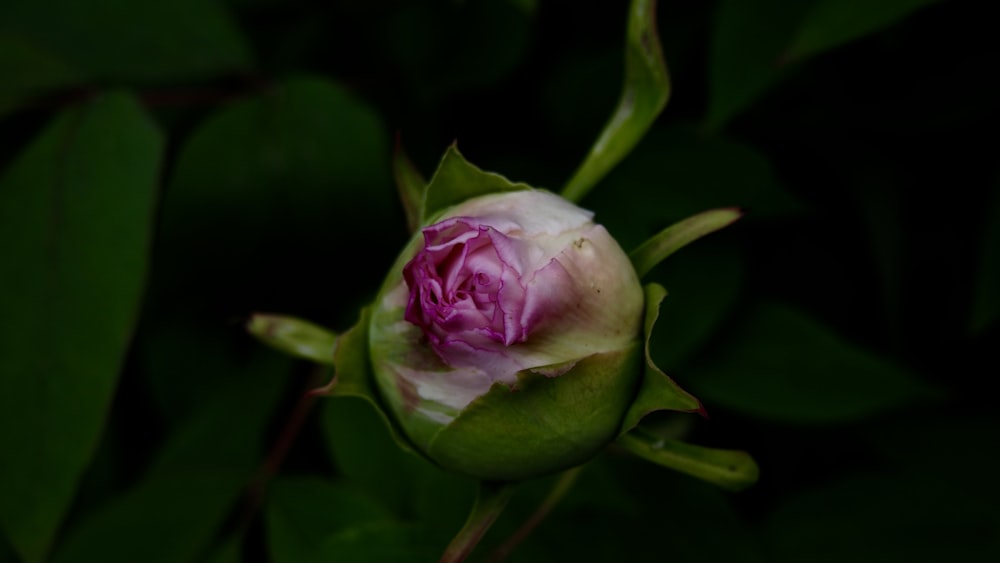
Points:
(167, 168)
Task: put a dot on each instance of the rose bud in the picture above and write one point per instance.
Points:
(507, 338)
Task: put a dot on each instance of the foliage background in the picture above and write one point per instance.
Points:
(168, 167)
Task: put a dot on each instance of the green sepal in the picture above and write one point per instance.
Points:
(295, 337)
(457, 180)
(679, 235)
(353, 376)
(544, 423)
(733, 470)
(411, 186)
(657, 391)
(645, 92)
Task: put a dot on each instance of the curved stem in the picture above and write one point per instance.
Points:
(490, 502)
(562, 485)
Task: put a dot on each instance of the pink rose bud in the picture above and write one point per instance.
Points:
(502, 291)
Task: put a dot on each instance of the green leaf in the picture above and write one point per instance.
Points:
(657, 391)
(986, 298)
(490, 502)
(75, 213)
(831, 23)
(679, 235)
(294, 172)
(732, 470)
(303, 511)
(177, 508)
(780, 364)
(353, 376)
(929, 495)
(543, 424)
(645, 92)
(127, 41)
(380, 542)
(411, 186)
(748, 39)
(706, 283)
(28, 70)
(299, 338)
(457, 180)
(675, 173)
(756, 43)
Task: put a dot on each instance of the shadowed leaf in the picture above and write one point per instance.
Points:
(75, 214)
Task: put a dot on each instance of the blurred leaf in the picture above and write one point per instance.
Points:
(748, 38)
(491, 499)
(303, 511)
(657, 391)
(27, 70)
(831, 23)
(704, 283)
(986, 300)
(880, 203)
(158, 41)
(231, 551)
(675, 174)
(457, 180)
(755, 43)
(679, 235)
(732, 470)
(75, 212)
(780, 364)
(178, 507)
(411, 186)
(645, 92)
(473, 44)
(932, 498)
(364, 452)
(296, 337)
(378, 543)
(291, 174)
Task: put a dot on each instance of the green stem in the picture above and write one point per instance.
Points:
(490, 502)
(559, 490)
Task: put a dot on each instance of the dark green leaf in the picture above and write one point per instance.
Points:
(675, 174)
(679, 235)
(831, 23)
(457, 180)
(293, 336)
(732, 470)
(780, 364)
(657, 391)
(986, 301)
(705, 284)
(377, 543)
(75, 213)
(473, 44)
(303, 511)
(153, 41)
(178, 507)
(748, 39)
(365, 452)
(230, 551)
(755, 43)
(292, 173)
(933, 498)
(411, 186)
(27, 70)
(645, 92)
